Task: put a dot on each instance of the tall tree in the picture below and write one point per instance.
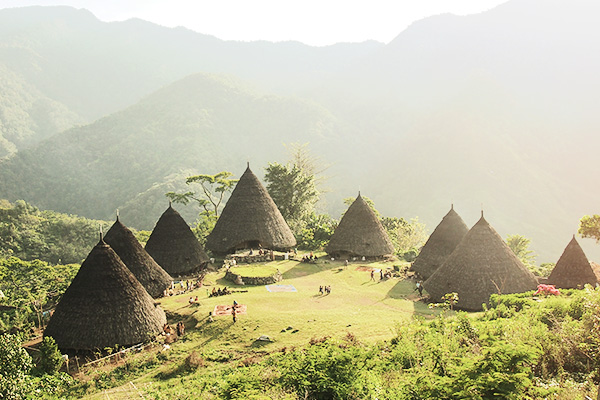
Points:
(211, 194)
(589, 227)
(293, 186)
(209, 197)
(520, 246)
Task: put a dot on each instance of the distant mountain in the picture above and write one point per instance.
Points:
(96, 68)
(497, 108)
(26, 115)
(199, 124)
(494, 110)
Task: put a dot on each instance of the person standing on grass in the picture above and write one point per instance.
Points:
(373, 275)
(233, 313)
(380, 274)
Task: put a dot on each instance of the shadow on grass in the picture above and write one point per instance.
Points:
(304, 269)
(401, 290)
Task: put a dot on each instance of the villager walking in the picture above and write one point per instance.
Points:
(419, 288)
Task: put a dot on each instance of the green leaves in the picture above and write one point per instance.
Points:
(294, 192)
(589, 227)
(15, 365)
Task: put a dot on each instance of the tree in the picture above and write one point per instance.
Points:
(520, 246)
(293, 191)
(15, 364)
(293, 186)
(50, 357)
(589, 227)
(213, 190)
(316, 232)
(407, 237)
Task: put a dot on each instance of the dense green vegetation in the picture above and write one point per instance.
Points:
(31, 234)
(30, 289)
(22, 378)
(519, 348)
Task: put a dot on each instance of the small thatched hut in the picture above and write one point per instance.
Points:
(442, 242)
(359, 233)
(249, 219)
(482, 264)
(104, 306)
(573, 268)
(152, 277)
(173, 245)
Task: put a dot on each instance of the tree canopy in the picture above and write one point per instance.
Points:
(31, 234)
(294, 186)
(589, 227)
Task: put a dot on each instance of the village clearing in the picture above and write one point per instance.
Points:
(367, 309)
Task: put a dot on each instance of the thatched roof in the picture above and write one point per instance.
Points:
(250, 218)
(442, 242)
(359, 233)
(104, 306)
(573, 268)
(152, 277)
(174, 246)
(482, 264)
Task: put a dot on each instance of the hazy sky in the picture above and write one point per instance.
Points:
(314, 22)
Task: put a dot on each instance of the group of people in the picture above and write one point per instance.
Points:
(193, 300)
(170, 333)
(219, 292)
(181, 287)
(309, 258)
(382, 275)
(325, 289)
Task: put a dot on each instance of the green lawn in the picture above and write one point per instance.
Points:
(368, 309)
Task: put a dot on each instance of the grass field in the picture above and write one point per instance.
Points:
(368, 309)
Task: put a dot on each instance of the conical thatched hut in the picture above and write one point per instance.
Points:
(482, 264)
(249, 219)
(152, 277)
(442, 242)
(104, 306)
(173, 245)
(359, 233)
(573, 268)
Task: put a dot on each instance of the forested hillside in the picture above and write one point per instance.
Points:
(493, 111)
(130, 159)
(31, 234)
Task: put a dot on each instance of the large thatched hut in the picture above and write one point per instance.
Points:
(573, 268)
(104, 306)
(249, 219)
(359, 233)
(152, 277)
(482, 264)
(173, 245)
(442, 242)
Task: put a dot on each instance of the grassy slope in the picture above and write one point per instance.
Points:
(370, 310)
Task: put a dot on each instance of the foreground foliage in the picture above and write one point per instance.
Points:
(519, 348)
(16, 378)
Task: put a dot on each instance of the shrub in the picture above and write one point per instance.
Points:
(15, 364)
(51, 359)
